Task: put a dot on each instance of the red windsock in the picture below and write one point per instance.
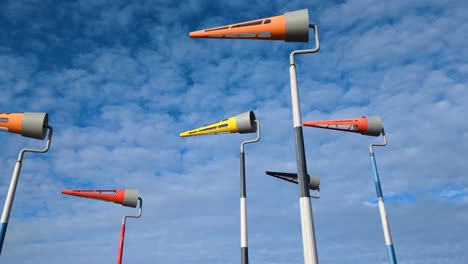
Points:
(369, 126)
(125, 197)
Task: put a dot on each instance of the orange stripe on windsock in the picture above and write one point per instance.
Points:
(271, 28)
(115, 196)
(358, 125)
(11, 122)
(370, 126)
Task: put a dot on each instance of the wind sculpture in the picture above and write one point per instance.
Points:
(31, 125)
(368, 126)
(125, 197)
(314, 180)
(242, 123)
(290, 27)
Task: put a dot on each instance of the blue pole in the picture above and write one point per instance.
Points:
(383, 213)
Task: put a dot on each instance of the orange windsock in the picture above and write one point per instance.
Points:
(33, 125)
(125, 197)
(369, 126)
(291, 27)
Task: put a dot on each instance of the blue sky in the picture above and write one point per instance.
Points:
(121, 79)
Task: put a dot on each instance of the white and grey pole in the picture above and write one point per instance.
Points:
(307, 222)
(14, 181)
(243, 198)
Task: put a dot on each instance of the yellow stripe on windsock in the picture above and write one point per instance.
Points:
(223, 126)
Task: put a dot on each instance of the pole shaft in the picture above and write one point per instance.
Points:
(14, 182)
(243, 212)
(121, 245)
(242, 176)
(243, 199)
(9, 202)
(307, 224)
(383, 213)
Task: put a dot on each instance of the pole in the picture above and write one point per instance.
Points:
(122, 231)
(380, 201)
(243, 197)
(307, 224)
(121, 244)
(14, 182)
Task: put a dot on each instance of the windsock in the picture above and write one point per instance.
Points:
(290, 27)
(314, 180)
(125, 197)
(242, 123)
(32, 125)
(369, 126)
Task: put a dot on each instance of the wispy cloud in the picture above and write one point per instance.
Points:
(402, 198)
(448, 193)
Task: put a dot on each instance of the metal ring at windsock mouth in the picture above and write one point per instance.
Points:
(245, 122)
(297, 26)
(34, 125)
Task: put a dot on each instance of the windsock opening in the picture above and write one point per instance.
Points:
(245, 122)
(291, 27)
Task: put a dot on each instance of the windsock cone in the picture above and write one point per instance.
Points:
(32, 125)
(314, 180)
(369, 126)
(125, 197)
(290, 27)
(242, 123)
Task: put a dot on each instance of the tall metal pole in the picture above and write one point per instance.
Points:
(243, 197)
(14, 182)
(307, 223)
(380, 201)
(122, 231)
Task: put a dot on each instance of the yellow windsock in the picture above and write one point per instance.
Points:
(242, 123)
